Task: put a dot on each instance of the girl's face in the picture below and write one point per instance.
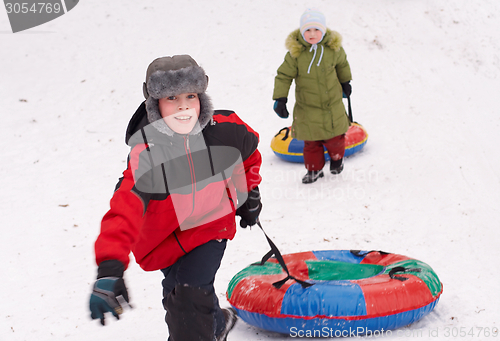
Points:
(313, 36)
(180, 112)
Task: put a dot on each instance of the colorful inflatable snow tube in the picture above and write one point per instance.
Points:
(352, 293)
(291, 149)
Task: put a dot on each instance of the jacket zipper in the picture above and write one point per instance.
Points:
(191, 168)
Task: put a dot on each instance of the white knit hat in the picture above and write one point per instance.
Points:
(312, 18)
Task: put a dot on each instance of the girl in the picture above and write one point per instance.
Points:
(318, 63)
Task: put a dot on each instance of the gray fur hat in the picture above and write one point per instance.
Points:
(170, 76)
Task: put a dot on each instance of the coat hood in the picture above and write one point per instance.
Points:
(296, 44)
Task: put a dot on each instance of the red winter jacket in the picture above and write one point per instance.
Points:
(179, 191)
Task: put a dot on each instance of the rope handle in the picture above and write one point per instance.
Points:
(399, 269)
(286, 134)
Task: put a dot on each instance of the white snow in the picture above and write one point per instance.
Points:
(427, 185)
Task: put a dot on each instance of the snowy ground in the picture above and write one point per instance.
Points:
(427, 185)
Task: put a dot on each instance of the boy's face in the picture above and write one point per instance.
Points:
(313, 36)
(180, 112)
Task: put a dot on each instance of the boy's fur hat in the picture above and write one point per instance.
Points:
(170, 76)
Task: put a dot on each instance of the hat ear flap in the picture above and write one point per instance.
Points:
(145, 90)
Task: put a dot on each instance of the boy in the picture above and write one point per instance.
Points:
(175, 205)
(318, 63)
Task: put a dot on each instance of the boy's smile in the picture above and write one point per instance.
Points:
(183, 118)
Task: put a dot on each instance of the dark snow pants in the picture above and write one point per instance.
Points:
(314, 154)
(193, 311)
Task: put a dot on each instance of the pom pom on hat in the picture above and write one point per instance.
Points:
(312, 18)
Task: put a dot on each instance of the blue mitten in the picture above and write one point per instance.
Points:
(107, 290)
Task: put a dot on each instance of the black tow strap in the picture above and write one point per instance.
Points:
(349, 108)
(275, 252)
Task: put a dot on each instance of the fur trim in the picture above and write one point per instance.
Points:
(296, 44)
(154, 116)
(163, 84)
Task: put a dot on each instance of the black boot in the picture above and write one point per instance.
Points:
(231, 316)
(312, 176)
(190, 314)
(336, 166)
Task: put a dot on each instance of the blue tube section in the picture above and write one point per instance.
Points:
(324, 298)
(338, 255)
(321, 327)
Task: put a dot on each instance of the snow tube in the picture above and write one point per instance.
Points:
(291, 149)
(352, 293)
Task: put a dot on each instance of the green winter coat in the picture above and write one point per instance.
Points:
(319, 113)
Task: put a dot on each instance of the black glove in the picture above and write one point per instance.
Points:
(107, 288)
(280, 107)
(250, 210)
(346, 88)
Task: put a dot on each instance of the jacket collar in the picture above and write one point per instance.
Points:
(296, 44)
